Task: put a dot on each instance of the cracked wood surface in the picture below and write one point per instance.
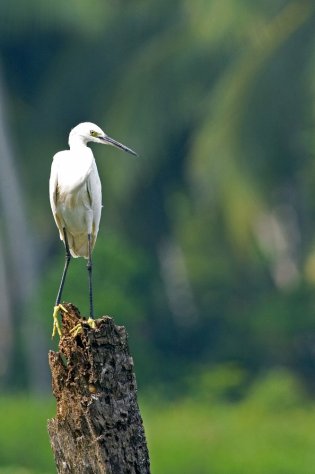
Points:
(98, 427)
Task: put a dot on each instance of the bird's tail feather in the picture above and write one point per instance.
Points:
(78, 244)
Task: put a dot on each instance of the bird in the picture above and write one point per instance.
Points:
(75, 194)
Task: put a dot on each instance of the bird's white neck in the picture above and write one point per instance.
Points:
(76, 141)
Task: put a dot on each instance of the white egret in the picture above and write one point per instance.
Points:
(76, 200)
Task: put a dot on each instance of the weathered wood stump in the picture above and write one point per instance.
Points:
(98, 426)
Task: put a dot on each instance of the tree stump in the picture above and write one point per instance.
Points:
(98, 427)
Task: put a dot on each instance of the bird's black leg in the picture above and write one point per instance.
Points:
(58, 306)
(89, 268)
(78, 329)
(68, 258)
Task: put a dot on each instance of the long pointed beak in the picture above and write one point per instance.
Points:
(111, 141)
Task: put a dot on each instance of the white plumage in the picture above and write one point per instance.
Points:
(76, 199)
(75, 188)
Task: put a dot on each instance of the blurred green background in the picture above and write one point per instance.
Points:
(206, 250)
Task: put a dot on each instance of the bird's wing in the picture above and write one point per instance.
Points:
(94, 189)
(53, 192)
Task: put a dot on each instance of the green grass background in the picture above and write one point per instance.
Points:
(271, 430)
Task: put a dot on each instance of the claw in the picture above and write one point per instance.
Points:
(78, 328)
(56, 325)
(91, 323)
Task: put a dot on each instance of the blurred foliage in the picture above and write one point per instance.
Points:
(225, 382)
(24, 439)
(206, 246)
(270, 430)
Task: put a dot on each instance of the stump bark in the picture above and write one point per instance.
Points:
(98, 427)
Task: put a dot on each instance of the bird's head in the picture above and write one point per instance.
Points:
(89, 132)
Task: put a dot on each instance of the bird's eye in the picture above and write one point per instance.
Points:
(93, 133)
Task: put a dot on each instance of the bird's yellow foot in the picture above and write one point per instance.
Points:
(91, 323)
(56, 326)
(78, 329)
